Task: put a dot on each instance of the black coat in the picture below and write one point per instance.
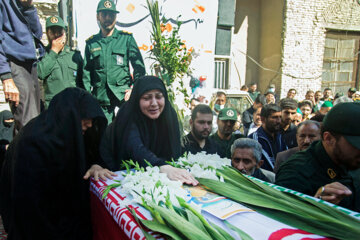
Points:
(43, 194)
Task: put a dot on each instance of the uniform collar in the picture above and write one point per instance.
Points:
(333, 170)
(65, 50)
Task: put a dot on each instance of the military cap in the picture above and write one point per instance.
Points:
(54, 21)
(327, 104)
(344, 119)
(106, 5)
(352, 89)
(227, 114)
(269, 92)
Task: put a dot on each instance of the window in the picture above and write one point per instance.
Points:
(340, 66)
(221, 73)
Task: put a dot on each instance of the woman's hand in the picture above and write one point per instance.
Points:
(179, 174)
(97, 171)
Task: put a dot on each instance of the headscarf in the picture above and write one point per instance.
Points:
(161, 136)
(6, 129)
(42, 177)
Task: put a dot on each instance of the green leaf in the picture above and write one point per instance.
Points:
(192, 218)
(108, 189)
(161, 228)
(146, 234)
(284, 207)
(226, 235)
(242, 234)
(181, 224)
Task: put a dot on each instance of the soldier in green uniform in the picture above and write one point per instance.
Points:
(224, 136)
(329, 168)
(106, 64)
(61, 67)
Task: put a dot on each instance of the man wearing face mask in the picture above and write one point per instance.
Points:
(106, 63)
(61, 67)
(220, 101)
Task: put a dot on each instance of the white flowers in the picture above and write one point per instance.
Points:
(202, 165)
(151, 185)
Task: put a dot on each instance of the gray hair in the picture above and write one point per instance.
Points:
(248, 143)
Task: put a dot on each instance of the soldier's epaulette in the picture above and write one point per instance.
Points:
(125, 32)
(91, 37)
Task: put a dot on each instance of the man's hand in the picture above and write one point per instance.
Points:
(26, 3)
(333, 192)
(97, 172)
(11, 91)
(127, 94)
(58, 44)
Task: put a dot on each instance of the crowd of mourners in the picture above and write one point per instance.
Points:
(94, 114)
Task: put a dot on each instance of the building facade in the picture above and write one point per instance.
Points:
(301, 44)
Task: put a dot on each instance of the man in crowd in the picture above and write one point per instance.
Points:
(325, 108)
(307, 132)
(324, 170)
(247, 116)
(256, 123)
(61, 67)
(291, 93)
(220, 101)
(268, 135)
(246, 157)
(288, 129)
(298, 117)
(327, 95)
(20, 48)
(224, 136)
(318, 101)
(198, 139)
(106, 63)
(270, 97)
(310, 96)
(253, 93)
(348, 98)
(306, 109)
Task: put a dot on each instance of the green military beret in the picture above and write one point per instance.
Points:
(344, 119)
(352, 89)
(227, 114)
(327, 104)
(106, 5)
(54, 21)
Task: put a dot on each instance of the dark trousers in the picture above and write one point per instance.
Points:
(26, 80)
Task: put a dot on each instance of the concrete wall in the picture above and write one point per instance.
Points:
(246, 38)
(304, 37)
(270, 43)
(257, 41)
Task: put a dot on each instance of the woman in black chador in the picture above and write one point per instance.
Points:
(145, 128)
(6, 132)
(44, 191)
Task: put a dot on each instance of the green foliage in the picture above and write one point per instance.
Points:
(296, 211)
(172, 58)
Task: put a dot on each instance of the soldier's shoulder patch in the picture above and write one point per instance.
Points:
(125, 32)
(91, 37)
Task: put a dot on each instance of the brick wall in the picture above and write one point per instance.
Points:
(305, 25)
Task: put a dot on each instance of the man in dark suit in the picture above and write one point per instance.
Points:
(307, 132)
